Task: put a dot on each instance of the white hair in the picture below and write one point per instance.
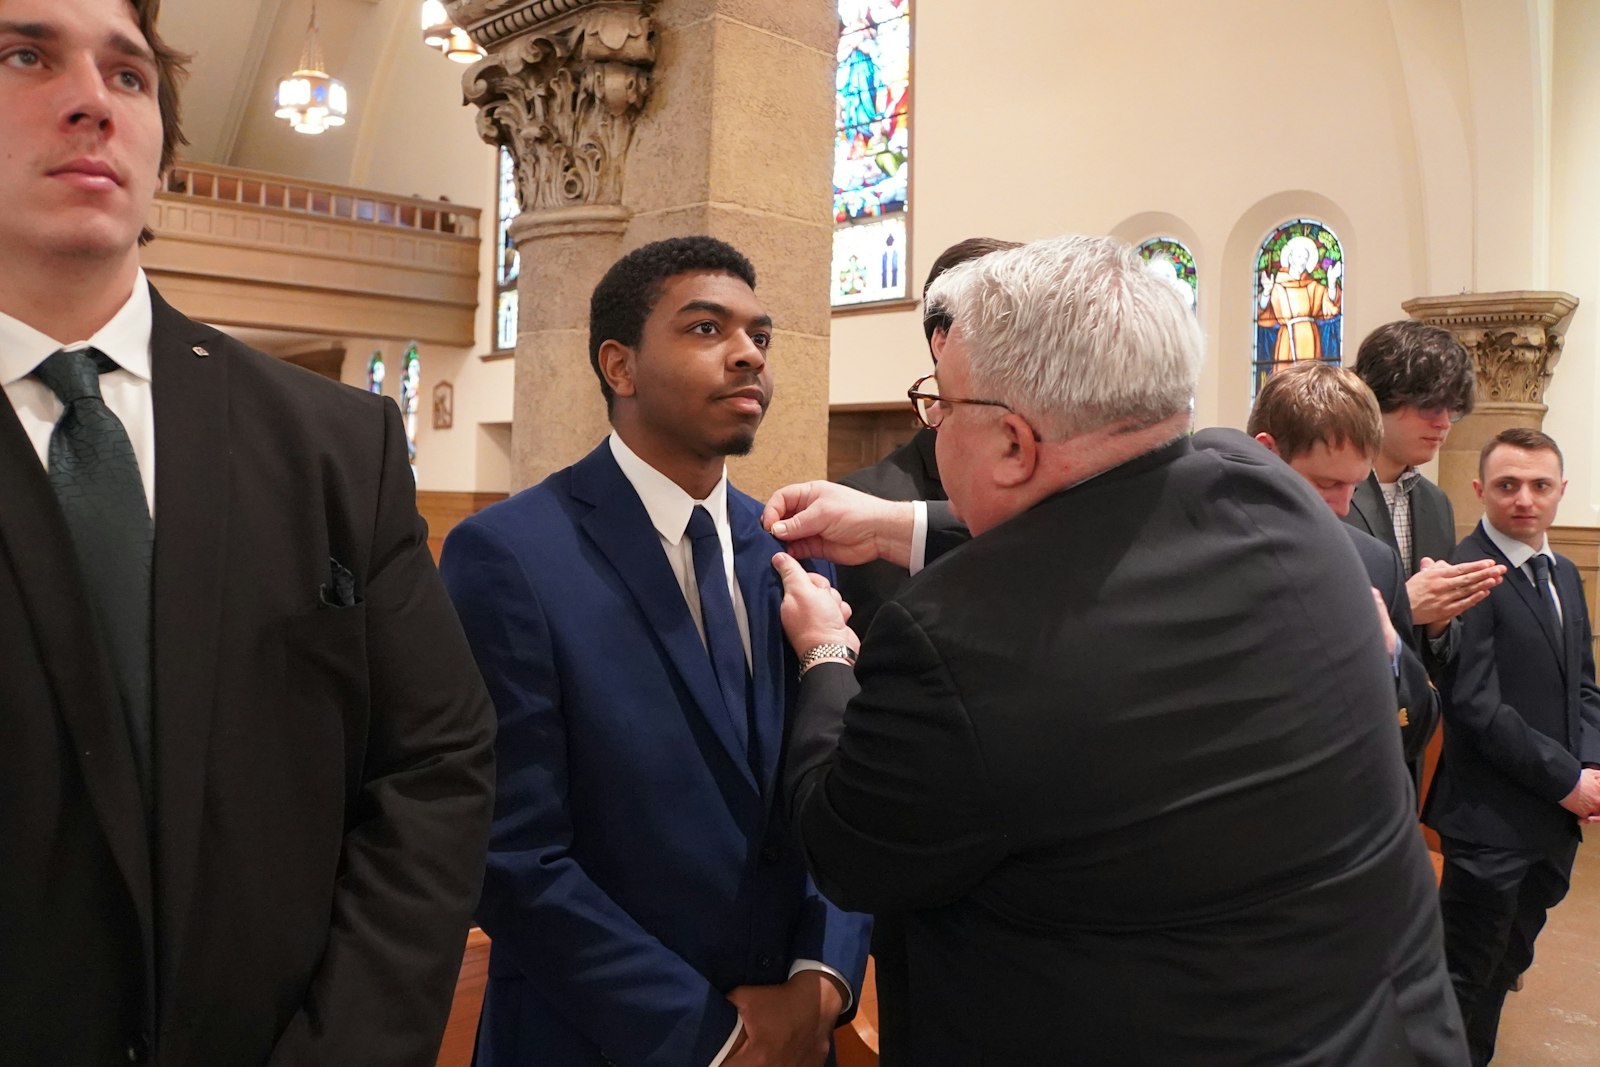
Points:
(1074, 333)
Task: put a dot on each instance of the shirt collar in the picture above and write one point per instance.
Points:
(1517, 554)
(125, 339)
(664, 500)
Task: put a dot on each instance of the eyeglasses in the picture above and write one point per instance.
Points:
(1430, 414)
(931, 407)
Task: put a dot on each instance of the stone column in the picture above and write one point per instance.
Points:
(562, 86)
(1514, 339)
(635, 121)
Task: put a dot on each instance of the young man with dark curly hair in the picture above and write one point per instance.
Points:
(1423, 380)
(248, 756)
(646, 903)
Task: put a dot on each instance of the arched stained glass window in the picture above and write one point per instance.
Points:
(871, 151)
(375, 372)
(410, 390)
(1299, 298)
(507, 261)
(1170, 258)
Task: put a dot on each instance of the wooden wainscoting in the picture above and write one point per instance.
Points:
(442, 510)
(861, 434)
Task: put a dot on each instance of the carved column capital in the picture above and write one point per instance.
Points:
(1514, 338)
(562, 86)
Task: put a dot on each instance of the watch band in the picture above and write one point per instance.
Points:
(821, 653)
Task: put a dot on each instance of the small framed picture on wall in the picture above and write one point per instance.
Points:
(444, 403)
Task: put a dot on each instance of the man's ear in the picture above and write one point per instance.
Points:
(1477, 487)
(1019, 458)
(617, 366)
(1268, 442)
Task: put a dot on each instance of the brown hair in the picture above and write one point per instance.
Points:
(1523, 438)
(1310, 402)
(972, 248)
(171, 68)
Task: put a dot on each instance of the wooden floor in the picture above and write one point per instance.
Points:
(1555, 1020)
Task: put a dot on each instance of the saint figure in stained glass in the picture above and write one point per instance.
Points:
(1169, 258)
(1299, 297)
(410, 390)
(375, 373)
(508, 262)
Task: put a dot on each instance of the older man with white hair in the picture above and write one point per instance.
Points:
(1126, 759)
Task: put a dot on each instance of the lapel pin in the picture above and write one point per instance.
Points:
(202, 353)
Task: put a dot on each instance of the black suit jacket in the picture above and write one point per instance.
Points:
(1419, 702)
(910, 472)
(322, 761)
(1129, 763)
(1522, 713)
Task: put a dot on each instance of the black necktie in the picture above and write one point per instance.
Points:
(722, 631)
(1547, 593)
(96, 478)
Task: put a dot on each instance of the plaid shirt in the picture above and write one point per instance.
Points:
(1398, 496)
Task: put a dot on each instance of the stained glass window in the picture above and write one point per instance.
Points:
(1299, 298)
(871, 151)
(507, 260)
(410, 390)
(1171, 259)
(375, 372)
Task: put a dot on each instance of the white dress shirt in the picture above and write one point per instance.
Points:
(126, 391)
(669, 508)
(1520, 555)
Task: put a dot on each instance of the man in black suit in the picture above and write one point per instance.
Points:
(250, 757)
(1522, 736)
(1324, 422)
(1423, 380)
(1140, 804)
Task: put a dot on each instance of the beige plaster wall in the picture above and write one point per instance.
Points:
(1574, 394)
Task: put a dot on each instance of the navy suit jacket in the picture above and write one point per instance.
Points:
(1522, 713)
(638, 868)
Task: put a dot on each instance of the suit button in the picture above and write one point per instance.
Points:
(138, 1049)
(765, 961)
(770, 854)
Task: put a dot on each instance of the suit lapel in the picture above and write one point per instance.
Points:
(192, 489)
(33, 529)
(1373, 510)
(753, 549)
(1432, 530)
(620, 528)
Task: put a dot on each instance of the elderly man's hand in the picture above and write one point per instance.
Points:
(1440, 591)
(813, 612)
(834, 522)
(1584, 800)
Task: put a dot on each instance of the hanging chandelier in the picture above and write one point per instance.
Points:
(439, 32)
(309, 100)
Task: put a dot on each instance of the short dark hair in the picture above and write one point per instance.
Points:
(1312, 401)
(1413, 363)
(171, 68)
(629, 291)
(1522, 437)
(972, 248)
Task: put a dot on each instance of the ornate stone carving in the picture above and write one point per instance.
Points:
(563, 84)
(1514, 338)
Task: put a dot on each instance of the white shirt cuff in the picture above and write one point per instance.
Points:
(818, 965)
(919, 537)
(727, 1046)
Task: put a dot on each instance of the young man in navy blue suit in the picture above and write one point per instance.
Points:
(645, 902)
(1521, 739)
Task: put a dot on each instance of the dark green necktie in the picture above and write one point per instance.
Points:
(96, 478)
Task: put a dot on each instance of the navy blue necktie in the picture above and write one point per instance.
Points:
(95, 474)
(722, 630)
(1541, 570)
